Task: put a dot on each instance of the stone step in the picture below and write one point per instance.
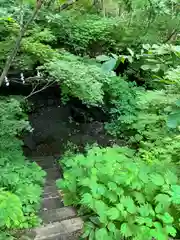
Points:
(57, 215)
(51, 195)
(52, 173)
(50, 182)
(64, 230)
(51, 203)
(50, 191)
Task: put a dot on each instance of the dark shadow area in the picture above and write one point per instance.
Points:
(55, 124)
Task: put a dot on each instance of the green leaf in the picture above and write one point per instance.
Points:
(139, 197)
(143, 176)
(145, 67)
(112, 186)
(125, 230)
(159, 208)
(143, 220)
(129, 204)
(114, 56)
(88, 227)
(144, 210)
(95, 220)
(157, 179)
(171, 230)
(122, 58)
(120, 207)
(92, 235)
(86, 234)
(113, 213)
(102, 58)
(175, 194)
(87, 199)
(112, 196)
(101, 234)
(164, 199)
(153, 68)
(178, 103)
(101, 208)
(108, 66)
(131, 52)
(119, 191)
(166, 218)
(101, 189)
(173, 120)
(146, 46)
(130, 59)
(170, 178)
(112, 227)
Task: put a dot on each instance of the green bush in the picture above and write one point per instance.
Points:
(85, 33)
(11, 210)
(21, 182)
(122, 100)
(122, 194)
(140, 115)
(77, 78)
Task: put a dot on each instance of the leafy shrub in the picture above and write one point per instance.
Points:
(155, 66)
(13, 122)
(122, 97)
(160, 57)
(25, 180)
(173, 120)
(85, 33)
(139, 114)
(77, 78)
(124, 195)
(11, 210)
(171, 78)
(20, 181)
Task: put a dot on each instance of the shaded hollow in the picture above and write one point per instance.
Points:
(55, 124)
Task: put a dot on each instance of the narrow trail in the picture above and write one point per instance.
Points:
(58, 222)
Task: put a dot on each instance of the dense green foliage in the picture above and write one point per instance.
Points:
(20, 181)
(138, 22)
(121, 56)
(126, 195)
(77, 78)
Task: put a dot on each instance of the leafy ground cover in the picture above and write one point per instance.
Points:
(21, 182)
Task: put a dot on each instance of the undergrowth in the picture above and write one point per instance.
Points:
(20, 180)
(122, 194)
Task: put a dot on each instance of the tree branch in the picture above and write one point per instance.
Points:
(173, 33)
(67, 4)
(39, 90)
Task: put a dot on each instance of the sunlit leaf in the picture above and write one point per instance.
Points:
(173, 119)
(113, 213)
(101, 234)
(125, 230)
(109, 65)
(157, 179)
(102, 58)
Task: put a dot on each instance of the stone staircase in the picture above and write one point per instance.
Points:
(59, 222)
